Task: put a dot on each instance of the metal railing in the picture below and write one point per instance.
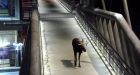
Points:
(31, 63)
(120, 36)
(28, 60)
(117, 44)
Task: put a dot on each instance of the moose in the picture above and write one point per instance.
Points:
(78, 48)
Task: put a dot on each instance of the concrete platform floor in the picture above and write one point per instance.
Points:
(57, 34)
(57, 37)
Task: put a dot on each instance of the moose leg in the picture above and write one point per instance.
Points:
(75, 58)
(79, 59)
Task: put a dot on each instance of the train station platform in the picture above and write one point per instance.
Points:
(58, 28)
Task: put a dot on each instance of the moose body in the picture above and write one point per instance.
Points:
(78, 48)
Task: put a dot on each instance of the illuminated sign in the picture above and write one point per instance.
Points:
(9, 10)
(3, 4)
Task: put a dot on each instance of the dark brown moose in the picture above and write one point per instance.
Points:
(78, 48)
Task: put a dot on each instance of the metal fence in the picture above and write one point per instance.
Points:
(117, 44)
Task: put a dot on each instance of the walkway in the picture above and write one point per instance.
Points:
(57, 34)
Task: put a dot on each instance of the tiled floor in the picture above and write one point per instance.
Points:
(57, 34)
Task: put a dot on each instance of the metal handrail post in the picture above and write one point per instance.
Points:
(127, 12)
(103, 4)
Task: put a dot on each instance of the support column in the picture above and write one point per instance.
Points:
(35, 45)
